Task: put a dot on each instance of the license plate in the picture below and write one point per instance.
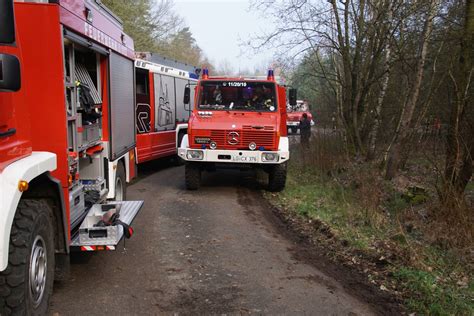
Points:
(244, 158)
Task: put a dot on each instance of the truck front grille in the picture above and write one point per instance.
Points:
(261, 137)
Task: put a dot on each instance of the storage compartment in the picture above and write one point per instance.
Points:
(95, 185)
(122, 105)
(92, 234)
(76, 203)
(91, 134)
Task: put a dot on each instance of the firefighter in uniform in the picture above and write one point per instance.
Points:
(305, 131)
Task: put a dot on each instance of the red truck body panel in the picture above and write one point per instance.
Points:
(102, 30)
(154, 145)
(42, 90)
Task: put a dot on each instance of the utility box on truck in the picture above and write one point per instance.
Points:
(237, 122)
(67, 143)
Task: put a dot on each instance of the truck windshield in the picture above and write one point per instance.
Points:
(301, 106)
(237, 96)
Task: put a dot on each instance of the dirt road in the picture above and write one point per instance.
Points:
(215, 250)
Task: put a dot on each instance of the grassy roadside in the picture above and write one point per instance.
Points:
(384, 234)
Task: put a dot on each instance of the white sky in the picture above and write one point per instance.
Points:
(219, 26)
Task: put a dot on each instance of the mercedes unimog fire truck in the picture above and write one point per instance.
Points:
(67, 141)
(237, 122)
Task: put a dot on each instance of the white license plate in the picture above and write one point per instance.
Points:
(245, 158)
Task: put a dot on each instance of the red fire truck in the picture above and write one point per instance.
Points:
(295, 114)
(67, 142)
(237, 122)
(161, 115)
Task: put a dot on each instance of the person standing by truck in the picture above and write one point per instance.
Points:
(305, 131)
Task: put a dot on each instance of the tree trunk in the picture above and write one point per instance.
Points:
(403, 131)
(373, 134)
(460, 138)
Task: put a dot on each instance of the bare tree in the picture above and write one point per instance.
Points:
(403, 132)
(383, 88)
(165, 20)
(352, 34)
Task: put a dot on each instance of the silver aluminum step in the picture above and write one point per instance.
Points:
(128, 212)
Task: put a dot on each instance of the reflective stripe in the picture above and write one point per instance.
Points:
(88, 248)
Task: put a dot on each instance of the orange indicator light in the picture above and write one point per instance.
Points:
(22, 185)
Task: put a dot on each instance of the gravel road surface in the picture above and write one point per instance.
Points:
(210, 251)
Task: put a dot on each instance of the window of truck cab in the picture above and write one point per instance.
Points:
(230, 95)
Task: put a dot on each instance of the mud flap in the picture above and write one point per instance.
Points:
(95, 233)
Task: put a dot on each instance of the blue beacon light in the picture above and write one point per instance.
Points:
(205, 73)
(270, 75)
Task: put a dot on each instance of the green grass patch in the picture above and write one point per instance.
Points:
(319, 197)
(470, 187)
(435, 296)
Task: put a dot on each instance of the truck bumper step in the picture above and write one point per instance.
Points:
(93, 237)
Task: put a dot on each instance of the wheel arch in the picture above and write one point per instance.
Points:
(26, 169)
(112, 167)
(46, 187)
(181, 129)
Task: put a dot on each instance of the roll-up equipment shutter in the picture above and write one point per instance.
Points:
(122, 105)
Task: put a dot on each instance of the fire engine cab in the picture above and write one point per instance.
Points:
(237, 122)
(67, 142)
(295, 114)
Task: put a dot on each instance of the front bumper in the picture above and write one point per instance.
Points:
(295, 123)
(234, 156)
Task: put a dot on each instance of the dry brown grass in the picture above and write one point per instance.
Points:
(450, 226)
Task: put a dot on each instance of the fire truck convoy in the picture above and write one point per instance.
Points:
(295, 114)
(237, 122)
(71, 114)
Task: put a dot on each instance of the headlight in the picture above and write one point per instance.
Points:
(195, 154)
(270, 157)
(252, 146)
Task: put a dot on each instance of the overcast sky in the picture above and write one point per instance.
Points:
(219, 26)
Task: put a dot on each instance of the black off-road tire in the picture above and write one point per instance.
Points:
(277, 178)
(32, 223)
(192, 176)
(121, 176)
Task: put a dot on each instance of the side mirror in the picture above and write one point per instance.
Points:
(187, 95)
(7, 22)
(10, 77)
(292, 96)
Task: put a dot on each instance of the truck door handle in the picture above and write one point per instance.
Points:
(8, 133)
